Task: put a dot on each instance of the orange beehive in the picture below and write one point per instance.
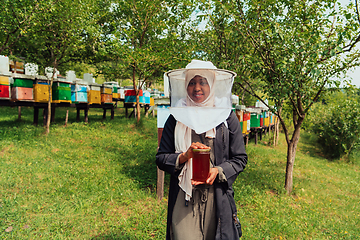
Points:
(22, 93)
(106, 98)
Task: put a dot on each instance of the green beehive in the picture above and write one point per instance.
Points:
(22, 80)
(61, 92)
(255, 120)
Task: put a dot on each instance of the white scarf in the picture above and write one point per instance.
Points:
(183, 132)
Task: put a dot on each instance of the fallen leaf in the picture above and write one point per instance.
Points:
(9, 229)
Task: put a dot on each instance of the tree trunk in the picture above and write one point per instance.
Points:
(137, 107)
(50, 98)
(137, 91)
(291, 152)
(276, 132)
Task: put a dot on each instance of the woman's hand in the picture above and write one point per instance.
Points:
(211, 178)
(185, 156)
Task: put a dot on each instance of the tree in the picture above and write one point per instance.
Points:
(15, 19)
(297, 49)
(221, 43)
(59, 35)
(144, 39)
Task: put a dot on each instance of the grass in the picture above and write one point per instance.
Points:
(98, 181)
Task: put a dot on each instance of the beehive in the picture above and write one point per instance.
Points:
(106, 93)
(21, 80)
(116, 92)
(267, 121)
(239, 111)
(79, 92)
(4, 87)
(244, 126)
(146, 96)
(21, 93)
(255, 120)
(61, 91)
(17, 67)
(22, 87)
(106, 89)
(106, 98)
(152, 101)
(122, 93)
(130, 96)
(94, 94)
(41, 89)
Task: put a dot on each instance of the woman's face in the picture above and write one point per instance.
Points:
(198, 89)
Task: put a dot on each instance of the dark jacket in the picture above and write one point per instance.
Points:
(230, 154)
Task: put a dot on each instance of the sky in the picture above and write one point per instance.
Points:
(354, 73)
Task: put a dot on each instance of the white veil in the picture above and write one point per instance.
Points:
(201, 117)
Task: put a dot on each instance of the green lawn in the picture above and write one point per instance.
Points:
(98, 181)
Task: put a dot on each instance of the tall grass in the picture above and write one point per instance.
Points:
(98, 180)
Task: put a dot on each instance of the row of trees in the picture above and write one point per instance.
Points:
(286, 51)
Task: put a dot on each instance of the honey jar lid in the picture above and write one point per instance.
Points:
(202, 150)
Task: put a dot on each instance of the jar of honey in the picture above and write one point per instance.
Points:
(201, 164)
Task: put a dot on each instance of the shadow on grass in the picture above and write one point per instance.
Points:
(27, 115)
(114, 236)
(310, 147)
(136, 156)
(262, 179)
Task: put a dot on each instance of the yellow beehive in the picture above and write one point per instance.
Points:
(152, 102)
(41, 93)
(266, 121)
(94, 97)
(4, 80)
(244, 127)
(116, 95)
(106, 90)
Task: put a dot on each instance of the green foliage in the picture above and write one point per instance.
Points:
(141, 40)
(16, 17)
(289, 50)
(61, 33)
(338, 132)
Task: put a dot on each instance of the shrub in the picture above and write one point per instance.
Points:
(338, 132)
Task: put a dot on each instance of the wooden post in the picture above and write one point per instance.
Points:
(112, 113)
(52, 114)
(45, 112)
(256, 136)
(67, 117)
(19, 113)
(36, 116)
(86, 118)
(78, 114)
(104, 113)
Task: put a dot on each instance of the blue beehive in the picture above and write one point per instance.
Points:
(79, 92)
(146, 97)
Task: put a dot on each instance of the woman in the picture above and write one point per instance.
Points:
(201, 118)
